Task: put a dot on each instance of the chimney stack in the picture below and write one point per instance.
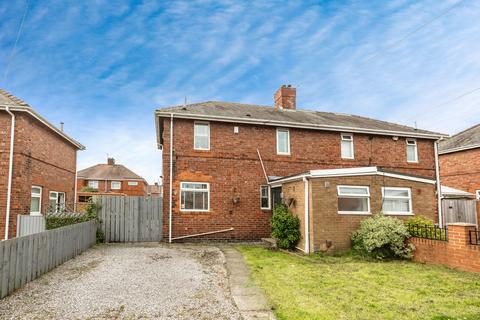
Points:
(110, 161)
(286, 98)
(61, 126)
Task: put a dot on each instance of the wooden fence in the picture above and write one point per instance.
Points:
(131, 219)
(459, 210)
(27, 225)
(25, 258)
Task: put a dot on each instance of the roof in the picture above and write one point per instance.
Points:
(108, 172)
(465, 140)
(349, 172)
(309, 119)
(448, 192)
(16, 104)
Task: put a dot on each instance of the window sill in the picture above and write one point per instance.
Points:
(194, 211)
(36, 214)
(201, 149)
(284, 154)
(398, 213)
(355, 213)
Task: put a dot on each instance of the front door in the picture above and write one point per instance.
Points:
(276, 196)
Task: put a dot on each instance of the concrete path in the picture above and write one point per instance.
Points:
(249, 299)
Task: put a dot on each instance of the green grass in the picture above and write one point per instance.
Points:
(347, 287)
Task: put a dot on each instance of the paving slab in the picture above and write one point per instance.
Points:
(248, 297)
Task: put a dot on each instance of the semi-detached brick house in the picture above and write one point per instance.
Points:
(460, 162)
(226, 159)
(42, 168)
(109, 178)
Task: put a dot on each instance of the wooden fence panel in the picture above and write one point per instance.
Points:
(131, 219)
(23, 259)
(27, 224)
(459, 210)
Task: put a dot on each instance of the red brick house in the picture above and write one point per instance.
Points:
(460, 162)
(37, 163)
(222, 164)
(110, 178)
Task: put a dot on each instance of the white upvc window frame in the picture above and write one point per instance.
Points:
(477, 193)
(349, 195)
(269, 207)
(409, 197)
(93, 184)
(201, 123)
(58, 206)
(412, 142)
(119, 183)
(287, 153)
(347, 137)
(189, 189)
(132, 183)
(39, 196)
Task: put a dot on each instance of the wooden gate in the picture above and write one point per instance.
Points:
(459, 210)
(131, 219)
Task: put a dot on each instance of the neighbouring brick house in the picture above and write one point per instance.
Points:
(108, 178)
(227, 156)
(460, 162)
(43, 165)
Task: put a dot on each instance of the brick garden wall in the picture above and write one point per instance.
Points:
(232, 168)
(41, 158)
(456, 253)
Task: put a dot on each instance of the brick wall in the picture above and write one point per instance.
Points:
(461, 170)
(296, 190)
(326, 224)
(232, 168)
(106, 186)
(456, 253)
(41, 158)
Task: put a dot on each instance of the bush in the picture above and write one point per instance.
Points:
(285, 227)
(382, 237)
(58, 220)
(424, 228)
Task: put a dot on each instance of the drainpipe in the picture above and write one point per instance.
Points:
(10, 172)
(75, 186)
(170, 176)
(439, 186)
(307, 217)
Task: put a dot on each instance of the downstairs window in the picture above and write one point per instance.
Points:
(194, 196)
(353, 200)
(397, 201)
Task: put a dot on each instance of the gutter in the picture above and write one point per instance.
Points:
(439, 186)
(10, 172)
(303, 125)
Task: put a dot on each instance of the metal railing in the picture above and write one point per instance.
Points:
(473, 238)
(428, 232)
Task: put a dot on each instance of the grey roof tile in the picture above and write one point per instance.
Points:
(108, 172)
(305, 117)
(462, 140)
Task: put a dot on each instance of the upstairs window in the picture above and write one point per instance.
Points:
(347, 146)
(194, 196)
(397, 201)
(201, 136)
(283, 141)
(353, 200)
(116, 185)
(265, 197)
(93, 184)
(132, 183)
(36, 201)
(478, 194)
(412, 155)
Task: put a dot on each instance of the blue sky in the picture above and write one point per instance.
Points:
(102, 67)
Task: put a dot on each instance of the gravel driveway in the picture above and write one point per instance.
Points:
(130, 281)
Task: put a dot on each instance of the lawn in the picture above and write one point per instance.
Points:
(318, 287)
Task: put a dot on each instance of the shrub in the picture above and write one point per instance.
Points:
(422, 227)
(88, 189)
(382, 237)
(58, 220)
(285, 227)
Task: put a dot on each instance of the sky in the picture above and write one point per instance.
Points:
(103, 67)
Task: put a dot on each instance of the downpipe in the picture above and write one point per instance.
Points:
(10, 172)
(170, 217)
(439, 186)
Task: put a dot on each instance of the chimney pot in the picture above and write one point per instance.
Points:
(286, 98)
(111, 161)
